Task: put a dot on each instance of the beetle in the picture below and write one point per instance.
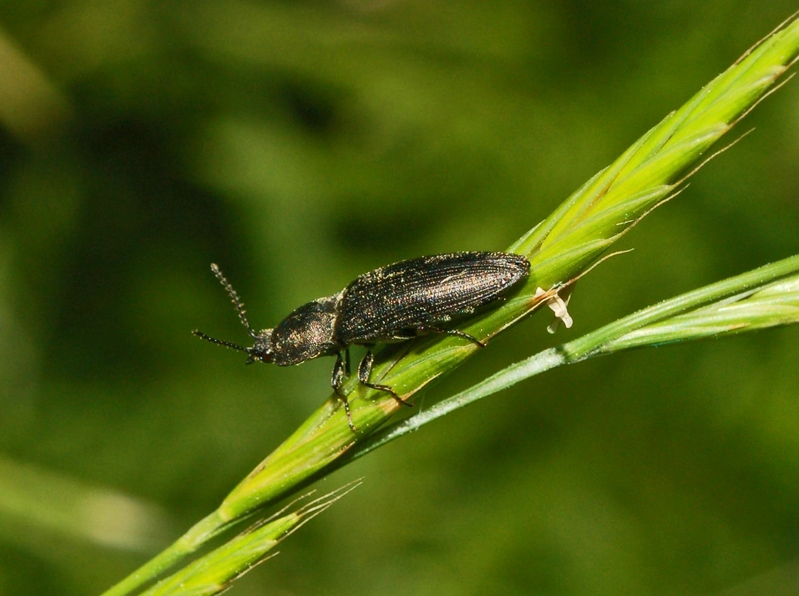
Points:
(394, 303)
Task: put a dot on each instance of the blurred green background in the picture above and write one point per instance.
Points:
(298, 144)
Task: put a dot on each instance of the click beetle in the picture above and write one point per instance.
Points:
(390, 304)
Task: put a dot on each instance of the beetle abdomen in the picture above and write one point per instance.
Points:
(389, 303)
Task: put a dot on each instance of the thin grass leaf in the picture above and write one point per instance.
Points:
(215, 572)
(776, 304)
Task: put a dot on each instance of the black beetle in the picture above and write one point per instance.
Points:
(390, 304)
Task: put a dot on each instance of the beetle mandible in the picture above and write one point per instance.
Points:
(390, 304)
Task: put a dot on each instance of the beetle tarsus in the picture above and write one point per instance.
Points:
(365, 371)
(455, 332)
(340, 372)
(347, 411)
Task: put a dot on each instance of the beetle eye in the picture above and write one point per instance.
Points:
(261, 351)
(259, 356)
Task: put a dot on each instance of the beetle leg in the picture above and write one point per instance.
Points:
(456, 332)
(340, 369)
(365, 371)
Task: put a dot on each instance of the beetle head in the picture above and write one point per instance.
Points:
(261, 350)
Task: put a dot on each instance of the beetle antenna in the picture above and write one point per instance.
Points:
(219, 342)
(234, 297)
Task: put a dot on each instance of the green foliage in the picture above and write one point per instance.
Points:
(298, 145)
